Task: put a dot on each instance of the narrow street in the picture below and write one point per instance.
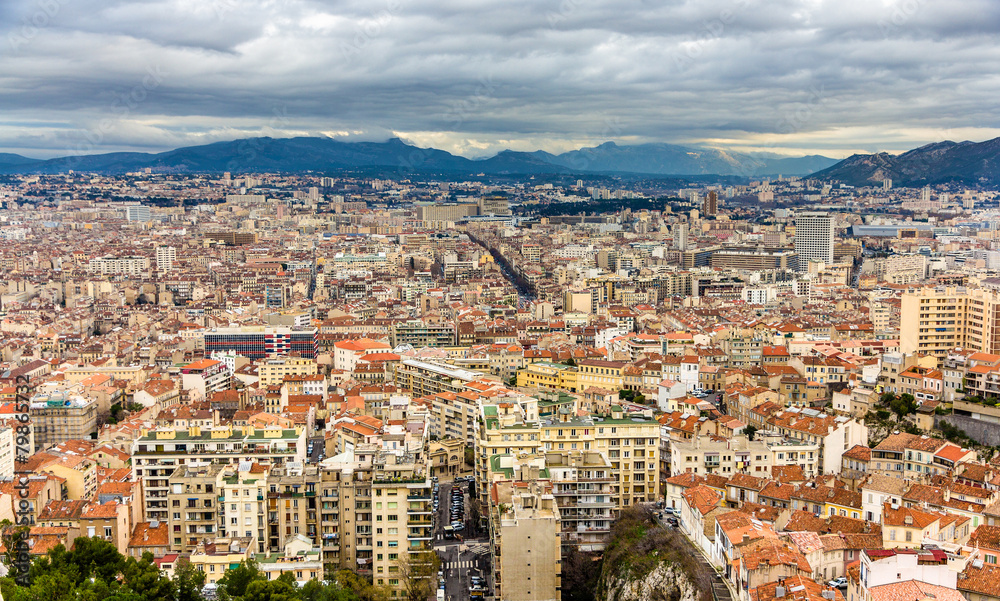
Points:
(720, 589)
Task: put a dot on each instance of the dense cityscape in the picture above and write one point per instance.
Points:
(256, 385)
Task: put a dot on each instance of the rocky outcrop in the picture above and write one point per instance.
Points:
(667, 581)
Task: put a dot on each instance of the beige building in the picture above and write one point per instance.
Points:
(273, 371)
(192, 494)
(936, 320)
(525, 542)
(59, 416)
(217, 556)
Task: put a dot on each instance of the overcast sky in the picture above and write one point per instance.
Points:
(476, 76)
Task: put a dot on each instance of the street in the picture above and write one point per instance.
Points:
(461, 559)
(720, 590)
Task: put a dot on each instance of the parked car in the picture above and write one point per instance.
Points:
(839, 582)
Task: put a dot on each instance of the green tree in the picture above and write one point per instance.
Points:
(750, 431)
(188, 581)
(144, 577)
(234, 583)
(886, 398)
(417, 572)
(570, 362)
(282, 588)
(903, 405)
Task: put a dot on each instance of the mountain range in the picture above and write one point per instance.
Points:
(968, 163)
(330, 155)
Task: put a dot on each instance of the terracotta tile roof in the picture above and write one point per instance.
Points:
(702, 498)
(796, 588)
(772, 552)
(913, 590)
(788, 473)
(858, 453)
(983, 580)
(802, 521)
(987, 537)
(908, 517)
(143, 535)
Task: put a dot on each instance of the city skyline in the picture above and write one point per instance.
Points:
(791, 78)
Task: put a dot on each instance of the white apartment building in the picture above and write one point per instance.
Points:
(116, 265)
(813, 238)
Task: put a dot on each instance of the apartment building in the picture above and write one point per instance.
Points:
(630, 442)
(706, 454)
(61, 415)
(242, 489)
(581, 484)
(192, 498)
(419, 334)
(273, 371)
(423, 378)
(217, 556)
(133, 266)
(936, 320)
(157, 453)
(507, 427)
(525, 542)
(550, 376)
(205, 377)
(600, 374)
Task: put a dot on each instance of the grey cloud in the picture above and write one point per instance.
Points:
(790, 74)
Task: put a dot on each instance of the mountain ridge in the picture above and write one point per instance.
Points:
(969, 163)
(301, 154)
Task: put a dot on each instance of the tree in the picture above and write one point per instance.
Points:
(188, 581)
(886, 398)
(282, 588)
(416, 574)
(235, 582)
(579, 578)
(903, 405)
(570, 362)
(144, 577)
(750, 431)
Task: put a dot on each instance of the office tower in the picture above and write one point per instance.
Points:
(711, 204)
(925, 193)
(137, 213)
(887, 184)
(813, 238)
(165, 257)
(681, 237)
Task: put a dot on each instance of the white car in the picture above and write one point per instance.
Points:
(839, 582)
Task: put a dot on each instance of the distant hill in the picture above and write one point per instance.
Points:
(326, 155)
(967, 163)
